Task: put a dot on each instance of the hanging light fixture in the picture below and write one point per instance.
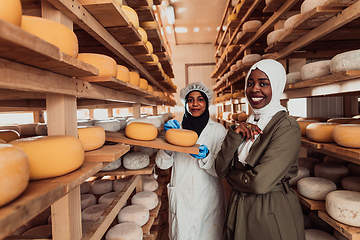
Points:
(170, 14)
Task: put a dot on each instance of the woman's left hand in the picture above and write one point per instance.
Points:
(248, 130)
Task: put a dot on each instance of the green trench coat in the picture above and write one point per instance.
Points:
(261, 204)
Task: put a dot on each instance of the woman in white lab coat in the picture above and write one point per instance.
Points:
(196, 195)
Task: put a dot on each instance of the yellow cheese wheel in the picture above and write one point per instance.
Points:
(155, 58)
(141, 131)
(303, 124)
(143, 83)
(107, 66)
(9, 135)
(119, 2)
(134, 78)
(150, 88)
(132, 15)
(143, 34)
(181, 137)
(123, 73)
(347, 135)
(53, 32)
(149, 47)
(14, 172)
(11, 11)
(51, 156)
(238, 95)
(320, 119)
(320, 132)
(150, 24)
(232, 17)
(341, 120)
(91, 137)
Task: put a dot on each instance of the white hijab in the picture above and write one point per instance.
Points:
(277, 76)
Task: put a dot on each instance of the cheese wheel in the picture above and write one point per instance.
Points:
(51, 156)
(181, 137)
(149, 47)
(143, 34)
(341, 120)
(112, 165)
(86, 226)
(237, 95)
(351, 183)
(19, 231)
(125, 231)
(9, 135)
(108, 124)
(315, 188)
(303, 124)
(315, 70)
(119, 184)
(232, 17)
(293, 77)
(302, 173)
(155, 58)
(343, 206)
(132, 15)
(233, 68)
(138, 214)
(239, 63)
(91, 137)
(346, 135)
(87, 200)
(309, 5)
(42, 231)
(150, 89)
(316, 234)
(150, 184)
(141, 131)
(251, 25)
(145, 198)
(251, 58)
(122, 122)
(52, 32)
(14, 172)
(107, 66)
(28, 130)
(320, 132)
(93, 212)
(101, 186)
(136, 160)
(85, 187)
(123, 73)
(333, 171)
(107, 198)
(274, 36)
(143, 83)
(309, 163)
(157, 121)
(319, 119)
(134, 78)
(41, 129)
(290, 22)
(346, 61)
(11, 11)
(85, 122)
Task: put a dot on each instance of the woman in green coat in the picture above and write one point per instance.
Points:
(257, 158)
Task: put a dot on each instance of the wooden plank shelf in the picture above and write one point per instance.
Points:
(339, 3)
(352, 233)
(121, 171)
(107, 153)
(273, 6)
(144, 58)
(137, 3)
(155, 212)
(125, 34)
(316, 17)
(245, 36)
(311, 204)
(146, 228)
(145, 14)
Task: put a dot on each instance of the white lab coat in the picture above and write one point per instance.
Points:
(196, 196)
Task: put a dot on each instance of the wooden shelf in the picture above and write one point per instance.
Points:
(309, 203)
(107, 153)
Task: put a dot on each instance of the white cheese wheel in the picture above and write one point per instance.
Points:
(143, 83)
(141, 131)
(309, 5)
(346, 135)
(85, 187)
(150, 184)
(157, 121)
(239, 63)
(107, 66)
(52, 32)
(290, 22)
(251, 58)
(119, 184)
(51, 156)
(316, 234)
(274, 36)
(303, 124)
(302, 172)
(293, 77)
(42, 231)
(333, 171)
(108, 124)
(354, 169)
(132, 16)
(93, 212)
(146, 198)
(87, 200)
(91, 137)
(345, 61)
(309, 163)
(136, 160)
(112, 166)
(315, 70)
(351, 183)
(101, 186)
(85, 122)
(181, 137)
(233, 68)
(125, 231)
(107, 198)
(138, 214)
(14, 172)
(143, 34)
(9, 135)
(251, 25)
(320, 132)
(315, 188)
(123, 73)
(134, 78)
(11, 11)
(343, 206)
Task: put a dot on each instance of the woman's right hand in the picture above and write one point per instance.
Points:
(248, 130)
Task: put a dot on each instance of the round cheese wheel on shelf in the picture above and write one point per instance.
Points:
(145, 198)
(108, 124)
(157, 121)
(141, 131)
(101, 186)
(320, 132)
(316, 234)
(85, 187)
(14, 172)
(107, 66)
(28, 130)
(51, 156)
(251, 25)
(11, 127)
(232, 17)
(351, 183)
(92, 213)
(239, 63)
(309, 5)
(302, 173)
(346, 135)
(125, 231)
(107, 198)
(112, 165)
(42, 231)
(149, 24)
(290, 22)
(274, 36)
(123, 73)
(11, 11)
(181, 137)
(132, 15)
(143, 34)
(136, 160)
(87, 200)
(315, 188)
(134, 78)
(251, 58)
(149, 47)
(52, 32)
(138, 214)
(143, 83)
(237, 95)
(155, 58)
(319, 119)
(293, 77)
(122, 122)
(315, 70)
(303, 124)
(85, 122)
(346, 61)
(333, 171)
(91, 137)
(19, 231)
(309, 163)
(9, 135)
(119, 184)
(150, 184)
(343, 206)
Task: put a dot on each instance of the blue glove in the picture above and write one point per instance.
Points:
(173, 123)
(203, 152)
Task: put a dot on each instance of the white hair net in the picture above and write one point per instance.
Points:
(195, 86)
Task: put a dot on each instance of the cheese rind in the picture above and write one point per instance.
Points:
(150, 184)
(123, 73)
(138, 214)
(293, 77)
(136, 160)
(290, 22)
(315, 70)
(251, 25)
(346, 61)
(309, 5)
(91, 137)
(347, 135)
(112, 166)
(93, 212)
(320, 132)
(143, 83)
(87, 200)
(134, 78)
(101, 186)
(107, 66)
(351, 183)
(9, 135)
(333, 171)
(315, 188)
(303, 124)
(125, 231)
(132, 15)
(146, 198)
(181, 137)
(119, 184)
(274, 36)
(141, 131)
(108, 124)
(316, 234)
(143, 34)
(302, 173)
(11, 11)
(251, 58)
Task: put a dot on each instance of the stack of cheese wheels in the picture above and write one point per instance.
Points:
(87, 200)
(141, 131)
(123, 73)
(251, 59)
(251, 25)
(51, 156)
(150, 184)
(309, 5)
(346, 61)
(138, 214)
(303, 124)
(343, 206)
(315, 70)
(147, 199)
(91, 137)
(108, 124)
(149, 47)
(132, 16)
(293, 77)
(125, 231)
(112, 166)
(85, 187)
(14, 172)
(92, 213)
(316, 234)
(333, 171)
(302, 173)
(107, 66)
(309, 163)
(101, 186)
(351, 183)
(321, 131)
(11, 11)
(136, 160)
(181, 137)
(290, 22)
(119, 184)
(143, 34)
(274, 36)
(9, 135)
(134, 78)
(346, 135)
(315, 188)
(52, 32)
(143, 83)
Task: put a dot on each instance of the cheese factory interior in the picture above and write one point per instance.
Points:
(96, 143)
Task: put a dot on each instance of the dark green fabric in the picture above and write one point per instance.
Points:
(261, 204)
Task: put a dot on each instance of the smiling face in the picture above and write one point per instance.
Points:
(258, 89)
(196, 104)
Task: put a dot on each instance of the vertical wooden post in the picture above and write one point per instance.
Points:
(136, 110)
(110, 112)
(91, 114)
